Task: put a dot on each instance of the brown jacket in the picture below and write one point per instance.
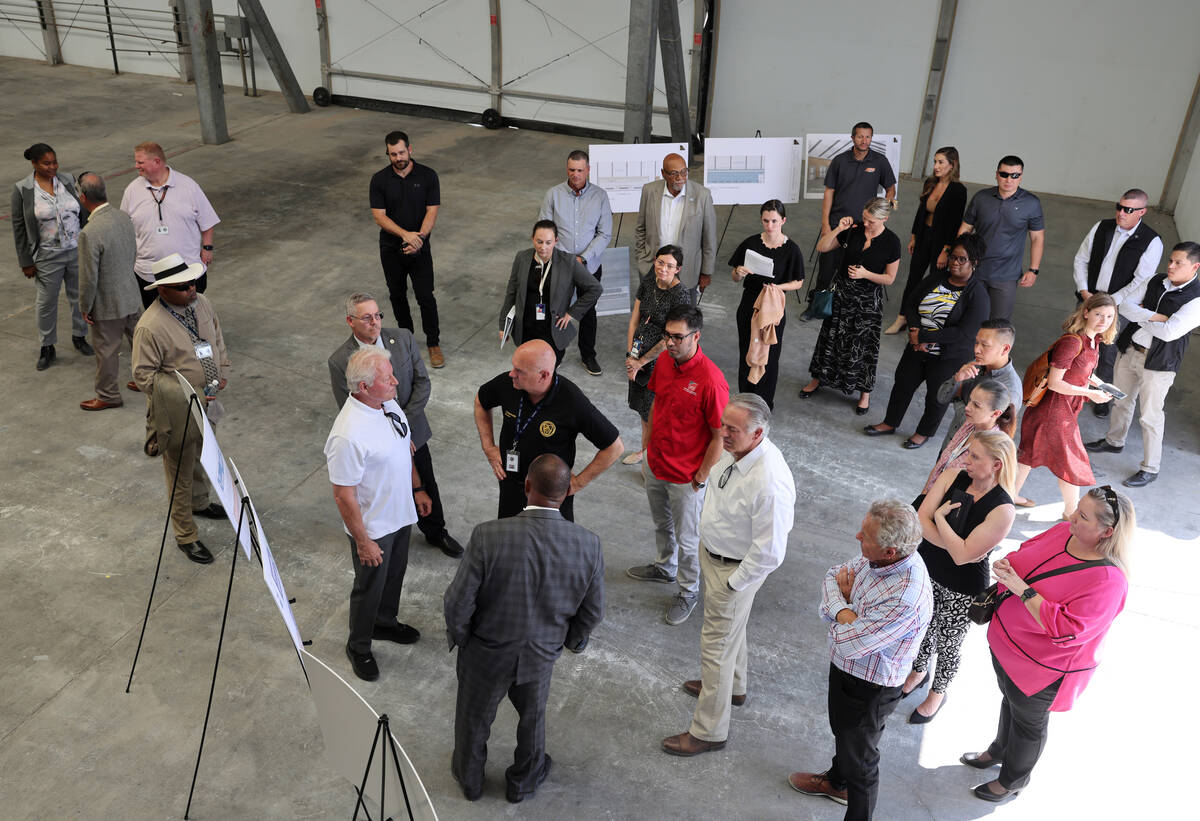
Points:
(768, 311)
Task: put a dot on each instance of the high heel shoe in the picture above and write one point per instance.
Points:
(906, 693)
(860, 410)
(899, 325)
(808, 394)
(917, 717)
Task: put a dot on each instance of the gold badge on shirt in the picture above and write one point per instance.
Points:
(547, 429)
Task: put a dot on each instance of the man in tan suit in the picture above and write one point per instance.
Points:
(677, 211)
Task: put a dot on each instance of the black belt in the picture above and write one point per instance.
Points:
(1137, 347)
(718, 558)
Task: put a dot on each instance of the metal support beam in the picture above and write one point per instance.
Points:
(45, 10)
(206, 62)
(699, 11)
(323, 42)
(497, 62)
(1185, 147)
(672, 60)
(639, 69)
(183, 48)
(933, 86)
(260, 26)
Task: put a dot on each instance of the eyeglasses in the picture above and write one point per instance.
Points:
(958, 260)
(725, 476)
(676, 338)
(1009, 175)
(185, 286)
(1127, 210)
(368, 317)
(675, 175)
(1110, 496)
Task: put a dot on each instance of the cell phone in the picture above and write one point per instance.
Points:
(1111, 390)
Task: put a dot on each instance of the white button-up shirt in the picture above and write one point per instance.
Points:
(671, 216)
(1145, 267)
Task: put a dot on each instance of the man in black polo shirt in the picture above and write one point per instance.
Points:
(1002, 215)
(405, 198)
(543, 412)
(853, 179)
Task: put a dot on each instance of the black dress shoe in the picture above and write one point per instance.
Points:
(213, 511)
(447, 544)
(906, 693)
(808, 394)
(909, 444)
(1101, 409)
(364, 664)
(45, 357)
(197, 552)
(82, 346)
(986, 794)
(399, 633)
(972, 760)
(1140, 479)
(917, 717)
(871, 430)
(1102, 446)
(859, 410)
(514, 797)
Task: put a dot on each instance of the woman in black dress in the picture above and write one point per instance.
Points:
(847, 349)
(786, 275)
(935, 225)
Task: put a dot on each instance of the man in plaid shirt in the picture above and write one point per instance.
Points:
(877, 606)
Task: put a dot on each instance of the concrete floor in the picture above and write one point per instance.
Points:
(82, 512)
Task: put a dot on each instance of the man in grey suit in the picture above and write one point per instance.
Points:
(412, 393)
(540, 286)
(677, 211)
(529, 586)
(108, 287)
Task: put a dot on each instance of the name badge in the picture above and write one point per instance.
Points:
(512, 461)
(203, 350)
(540, 312)
(162, 230)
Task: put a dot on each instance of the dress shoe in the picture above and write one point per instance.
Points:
(860, 410)
(364, 664)
(873, 430)
(650, 573)
(197, 552)
(974, 760)
(1140, 479)
(983, 792)
(399, 633)
(81, 345)
(447, 544)
(45, 357)
(917, 717)
(592, 366)
(1101, 409)
(906, 693)
(808, 394)
(1102, 446)
(213, 511)
(909, 444)
(99, 404)
(692, 688)
(818, 784)
(133, 386)
(514, 797)
(687, 745)
(471, 794)
(436, 358)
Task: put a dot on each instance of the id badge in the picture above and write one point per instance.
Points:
(541, 312)
(512, 461)
(162, 230)
(203, 350)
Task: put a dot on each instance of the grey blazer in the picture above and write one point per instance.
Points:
(559, 299)
(528, 586)
(412, 394)
(108, 287)
(697, 230)
(25, 225)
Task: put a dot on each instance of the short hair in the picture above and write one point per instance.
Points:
(579, 154)
(1003, 328)
(1010, 159)
(1077, 320)
(1192, 249)
(550, 476)
(863, 124)
(972, 244)
(1116, 547)
(36, 151)
(357, 299)
(1136, 194)
(673, 250)
(394, 137)
(91, 185)
(540, 224)
(879, 208)
(150, 149)
(758, 413)
(688, 314)
(773, 205)
(363, 365)
(897, 525)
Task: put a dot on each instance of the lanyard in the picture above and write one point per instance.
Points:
(193, 327)
(522, 425)
(545, 273)
(159, 200)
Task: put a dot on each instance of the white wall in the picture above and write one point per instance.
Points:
(1187, 210)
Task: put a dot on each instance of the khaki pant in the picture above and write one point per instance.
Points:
(722, 647)
(1131, 376)
(191, 492)
(106, 339)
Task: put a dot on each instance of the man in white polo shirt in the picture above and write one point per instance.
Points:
(378, 494)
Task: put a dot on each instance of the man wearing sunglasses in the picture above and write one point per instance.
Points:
(677, 211)
(1116, 257)
(180, 332)
(1002, 215)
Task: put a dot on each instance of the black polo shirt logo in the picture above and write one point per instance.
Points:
(547, 429)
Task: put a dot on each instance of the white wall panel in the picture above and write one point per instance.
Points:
(19, 38)
(1187, 210)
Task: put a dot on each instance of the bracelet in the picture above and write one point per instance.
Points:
(418, 489)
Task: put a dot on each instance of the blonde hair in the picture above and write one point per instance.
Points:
(879, 208)
(1078, 320)
(999, 446)
(150, 150)
(1116, 547)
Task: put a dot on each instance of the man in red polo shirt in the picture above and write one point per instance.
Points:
(683, 444)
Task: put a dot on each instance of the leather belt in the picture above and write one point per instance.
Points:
(718, 558)
(1137, 347)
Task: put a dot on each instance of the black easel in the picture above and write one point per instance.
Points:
(381, 728)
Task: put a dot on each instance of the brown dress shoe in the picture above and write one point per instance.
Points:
(133, 386)
(692, 688)
(818, 784)
(686, 744)
(99, 404)
(436, 359)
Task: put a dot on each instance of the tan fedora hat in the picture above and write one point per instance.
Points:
(172, 270)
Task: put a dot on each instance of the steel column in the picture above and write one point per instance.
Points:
(672, 60)
(206, 62)
(639, 69)
(933, 87)
(1185, 146)
(45, 10)
(260, 27)
(497, 57)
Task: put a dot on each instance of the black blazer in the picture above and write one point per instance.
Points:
(947, 217)
(957, 336)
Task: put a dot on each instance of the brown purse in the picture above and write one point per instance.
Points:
(1037, 375)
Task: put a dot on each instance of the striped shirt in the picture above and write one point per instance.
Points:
(935, 309)
(894, 605)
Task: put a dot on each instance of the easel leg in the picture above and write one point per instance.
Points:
(382, 728)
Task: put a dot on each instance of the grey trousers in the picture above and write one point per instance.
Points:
(675, 509)
(106, 339)
(1003, 296)
(54, 271)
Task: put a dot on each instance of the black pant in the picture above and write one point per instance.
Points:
(513, 501)
(913, 369)
(1003, 297)
(1021, 733)
(375, 597)
(397, 268)
(923, 257)
(766, 386)
(1108, 354)
(857, 710)
(434, 524)
(587, 327)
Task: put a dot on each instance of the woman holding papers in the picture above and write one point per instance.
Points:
(764, 261)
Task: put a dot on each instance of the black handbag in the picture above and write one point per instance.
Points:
(984, 605)
(822, 304)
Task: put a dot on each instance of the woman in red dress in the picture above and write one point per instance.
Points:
(1050, 431)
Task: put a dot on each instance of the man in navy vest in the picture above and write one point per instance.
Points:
(1161, 314)
(1117, 257)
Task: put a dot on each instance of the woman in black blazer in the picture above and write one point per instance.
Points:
(943, 200)
(945, 312)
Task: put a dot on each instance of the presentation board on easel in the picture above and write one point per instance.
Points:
(622, 170)
(752, 170)
(820, 149)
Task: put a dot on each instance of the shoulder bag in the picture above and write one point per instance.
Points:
(984, 605)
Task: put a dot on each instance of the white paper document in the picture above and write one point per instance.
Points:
(508, 323)
(756, 263)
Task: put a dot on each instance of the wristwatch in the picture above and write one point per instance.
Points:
(1028, 594)
(207, 247)
(1033, 271)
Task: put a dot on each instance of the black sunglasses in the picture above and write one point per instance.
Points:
(183, 286)
(1126, 209)
(1006, 175)
(1110, 496)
